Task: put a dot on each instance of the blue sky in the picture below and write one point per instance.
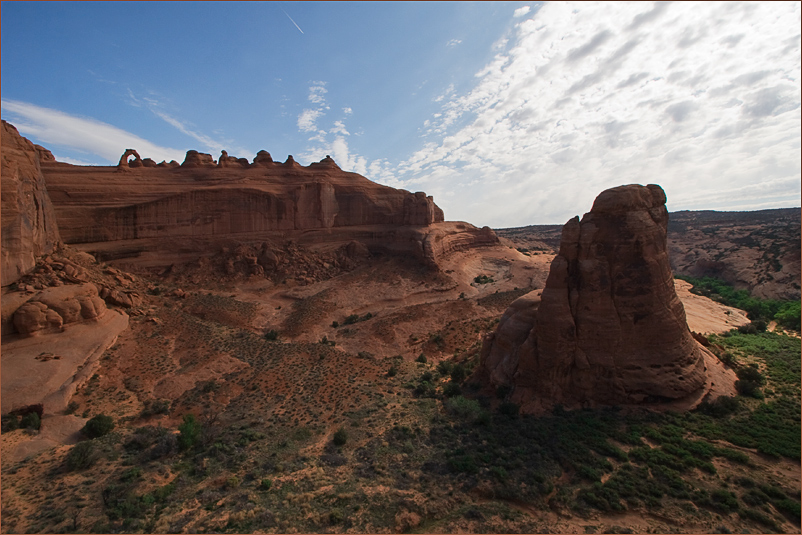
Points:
(509, 113)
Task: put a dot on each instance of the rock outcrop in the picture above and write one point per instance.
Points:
(608, 327)
(29, 226)
(52, 308)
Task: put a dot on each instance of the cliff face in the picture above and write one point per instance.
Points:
(28, 221)
(163, 214)
(608, 327)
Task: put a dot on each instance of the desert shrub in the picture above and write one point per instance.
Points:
(508, 408)
(335, 324)
(463, 463)
(265, 484)
(340, 437)
(10, 422)
(165, 445)
(483, 279)
(98, 426)
(444, 367)
(458, 373)
(724, 500)
(31, 421)
(452, 389)
(81, 456)
(421, 358)
(462, 407)
(392, 371)
(720, 407)
(336, 516)
(189, 432)
(749, 382)
(271, 335)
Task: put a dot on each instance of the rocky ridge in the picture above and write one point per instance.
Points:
(608, 328)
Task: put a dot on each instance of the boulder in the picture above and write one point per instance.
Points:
(608, 328)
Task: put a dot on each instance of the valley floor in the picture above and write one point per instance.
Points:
(346, 405)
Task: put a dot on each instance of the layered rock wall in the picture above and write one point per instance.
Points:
(28, 220)
(608, 327)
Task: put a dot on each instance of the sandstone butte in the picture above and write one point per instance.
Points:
(140, 214)
(608, 328)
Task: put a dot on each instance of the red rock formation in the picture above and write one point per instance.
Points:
(28, 221)
(52, 308)
(263, 158)
(198, 159)
(153, 216)
(608, 327)
(137, 162)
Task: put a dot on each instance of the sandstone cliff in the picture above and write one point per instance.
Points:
(158, 216)
(28, 221)
(608, 327)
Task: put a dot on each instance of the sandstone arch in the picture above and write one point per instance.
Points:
(124, 159)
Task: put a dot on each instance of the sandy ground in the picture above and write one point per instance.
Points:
(706, 316)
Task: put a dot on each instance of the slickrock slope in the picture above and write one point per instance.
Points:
(28, 221)
(608, 328)
(140, 215)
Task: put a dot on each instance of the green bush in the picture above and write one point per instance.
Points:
(189, 432)
(271, 335)
(31, 421)
(463, 407)
(265, 484)
(392, 371)
(444, 367)
(98, 426)
(81, 456)
(458, 373)
(452, 389)
(340, 437)
(421, 358)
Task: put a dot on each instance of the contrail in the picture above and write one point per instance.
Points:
(296, 25)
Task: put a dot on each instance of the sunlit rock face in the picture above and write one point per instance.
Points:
(28, 221)
(608, 327)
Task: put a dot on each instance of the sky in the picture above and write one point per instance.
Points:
(508, 113)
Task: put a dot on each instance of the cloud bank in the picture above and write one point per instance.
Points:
(702, 98)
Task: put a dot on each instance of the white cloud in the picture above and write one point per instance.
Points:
(339, 128)
(348, 111)
(453, 42)
(209, 143)
(521, 11)
(307, 120)
(58, 129)
(586, 96)
(317, 92)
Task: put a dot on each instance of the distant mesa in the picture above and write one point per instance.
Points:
(608, 328)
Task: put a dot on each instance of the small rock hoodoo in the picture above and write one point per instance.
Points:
(608, 328)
